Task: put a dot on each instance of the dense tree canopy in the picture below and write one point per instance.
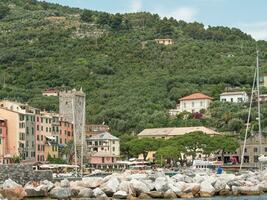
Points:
(130, 81)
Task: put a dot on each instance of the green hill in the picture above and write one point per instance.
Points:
(130, 81)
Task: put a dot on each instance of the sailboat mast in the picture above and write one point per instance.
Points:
(75, 135)
(259, 107)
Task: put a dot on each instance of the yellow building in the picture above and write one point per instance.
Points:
(51, 147)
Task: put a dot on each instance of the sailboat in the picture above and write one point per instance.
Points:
(262, 158)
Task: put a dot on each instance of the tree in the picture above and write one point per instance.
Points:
(143, 146)
(104, 19)
(235, 124)
(116, 22)
(87, 16)
(193, 142)
(222, 144)
(4, 11)
(172, 154)
(125, 145)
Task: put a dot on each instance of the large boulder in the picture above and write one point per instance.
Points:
(149, 183)
(169, 195)
(161, 184)
(138, 176)
(15, 193)
(126, 186)
(178, 177)
(91, 182)
(176, 187)
(144, 196)
(60, 193)
(220, 184)
(155, 194)
(12, 191)
(120, 195)
(85, 193)
(9, 183)
(138, 187)
(206, 189)
(111, 186)
(34, 189)
(65, 183)
(99, 194)
(49, 184)
(263, 186)
(249, 190)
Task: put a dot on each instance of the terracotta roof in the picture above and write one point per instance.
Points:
(196, 96)
(176, 131)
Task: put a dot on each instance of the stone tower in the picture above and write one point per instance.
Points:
(71, 109)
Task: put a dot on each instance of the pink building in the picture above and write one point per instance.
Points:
(3, 140)
(103, 148)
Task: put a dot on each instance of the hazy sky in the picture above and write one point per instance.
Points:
(248, 15)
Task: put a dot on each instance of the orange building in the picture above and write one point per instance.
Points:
(3, 140)
(66, 132)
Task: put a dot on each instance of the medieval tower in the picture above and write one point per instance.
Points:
(72, 109)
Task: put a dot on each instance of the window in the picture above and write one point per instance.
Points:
(65, 132)
(265, 149)
(239, 99)
(42, 128)
(37, 119)
(255, 158)
(42, 137)
(46, 129)
(37, 127)
(113, 148)
(32, 131)
(223, 100)
(27, 130)
(21, 117)
(245, 150)
(255, 149)
(38, 138)
(38, 147)
(60, 140)
(49, 129)
(232, 100)
(42, 120)
(46, 120)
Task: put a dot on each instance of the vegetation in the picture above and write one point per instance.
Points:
(178, 148)
(130, 81)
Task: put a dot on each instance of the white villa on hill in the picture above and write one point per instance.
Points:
(234, 97)
(192, 103)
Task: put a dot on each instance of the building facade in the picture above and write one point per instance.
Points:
(72, 109)
(103, 148)
(50, 92)
(192, 103)
(94, 129)
(3, 140)
(164, 41)
(234, 97)
(21, 128)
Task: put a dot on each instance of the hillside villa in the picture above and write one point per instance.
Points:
(192, 103)
(234, 97)
(164, 41)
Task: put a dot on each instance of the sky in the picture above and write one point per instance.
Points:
(248, 15)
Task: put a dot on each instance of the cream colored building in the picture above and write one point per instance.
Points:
(192, 103)
(21, 129)
(164, 41)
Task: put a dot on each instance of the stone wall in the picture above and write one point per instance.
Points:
(23, 173)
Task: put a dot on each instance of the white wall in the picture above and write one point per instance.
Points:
(237, 98)
(194, 105)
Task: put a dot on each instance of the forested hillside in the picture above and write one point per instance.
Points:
(130, 81)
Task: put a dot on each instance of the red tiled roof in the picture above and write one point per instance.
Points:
(196, 96)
